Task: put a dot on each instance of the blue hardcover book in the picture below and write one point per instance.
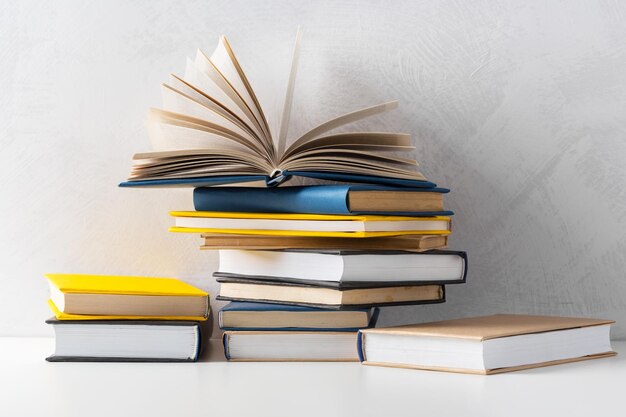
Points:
(242, 315)
(323, 199)
(276, 180)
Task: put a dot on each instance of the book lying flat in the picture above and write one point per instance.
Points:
(213, 130)
(487, 345)
(126, 341)
(345, 269)
(244, 289)
(132, 297)
(323, 199)
(290, 346)
(320, 225)
(238, 315)
(59, 315)
(414, 243)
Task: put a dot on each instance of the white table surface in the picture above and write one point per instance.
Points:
(30, 386)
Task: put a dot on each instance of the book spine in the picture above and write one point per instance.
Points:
(225, 338)
(374, 317)
(359, 346)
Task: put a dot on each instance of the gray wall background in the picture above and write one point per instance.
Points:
(518, 107)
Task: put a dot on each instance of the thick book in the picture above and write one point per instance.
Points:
(345, 269)
(315, 225)
(212, 130)
(238, 315)
(74, 296)
(246, 289)
(323, 199)
(290, 346)
(126, 341)
(415, 243)
(487, 345)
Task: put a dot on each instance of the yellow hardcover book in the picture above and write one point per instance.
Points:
(322, 225)
(59, 315)
(128, 296)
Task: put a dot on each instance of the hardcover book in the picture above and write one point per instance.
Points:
(487, 345)
(310, 225)
(126, 341)
(245, 289)
(75, 295)
(345, 269)
(238, 315)
(290, 346)
(212, 130)
(323, 199)
(415, 243)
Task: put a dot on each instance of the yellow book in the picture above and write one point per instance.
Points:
(125, 297)
(59, 315)
(281, 224)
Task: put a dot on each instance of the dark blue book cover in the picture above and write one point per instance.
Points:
(275, 181)
(261, 307)
(316, 199)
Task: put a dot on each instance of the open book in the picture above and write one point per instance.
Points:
(212, 130)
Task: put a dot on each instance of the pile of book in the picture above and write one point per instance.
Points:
(311, 263)
(120, 318)
(305, 268)
(302, 283)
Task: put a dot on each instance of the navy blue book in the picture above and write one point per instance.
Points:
(273, 181)
(241, 315)
(323, 199)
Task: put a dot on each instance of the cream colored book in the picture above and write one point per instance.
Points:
(212, 130)
(417, 243)
(248, 289)
(290, 346)
(487, 345)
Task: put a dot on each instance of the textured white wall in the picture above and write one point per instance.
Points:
(519, 107)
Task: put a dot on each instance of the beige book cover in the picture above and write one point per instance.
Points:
(485, 328)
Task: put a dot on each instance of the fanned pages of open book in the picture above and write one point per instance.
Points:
(212, 130)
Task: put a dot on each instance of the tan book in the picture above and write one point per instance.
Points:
(487, 345)
(242, 289)
(416, 243)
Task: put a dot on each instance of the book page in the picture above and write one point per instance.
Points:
(200, 125)
(225, 61)
(196, 94)
(401, 141)
(167, 137)
(211, 71)
(177, 101)
(343, 120)
(196, 163)
(196, 76)
(288, 104)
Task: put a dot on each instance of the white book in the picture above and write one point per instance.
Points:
(487, 345)
(284, 346)
(346, 266)
(125, 340)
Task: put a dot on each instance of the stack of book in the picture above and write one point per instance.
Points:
(302, 284)
(310, 262)
(118, 318)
